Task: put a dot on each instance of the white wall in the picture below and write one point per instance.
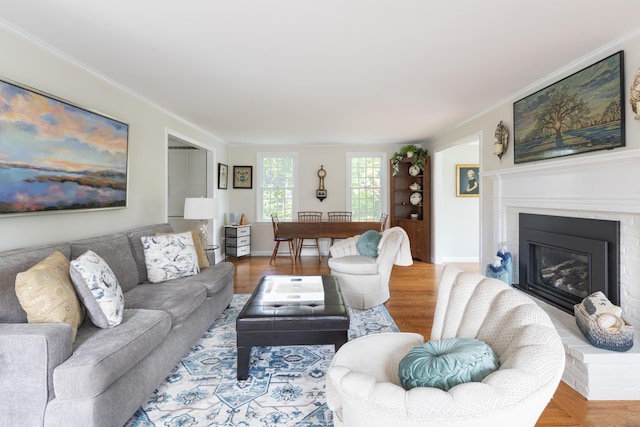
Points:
(25, 63)
(310, 157)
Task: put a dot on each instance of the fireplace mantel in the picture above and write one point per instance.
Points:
(601, 182)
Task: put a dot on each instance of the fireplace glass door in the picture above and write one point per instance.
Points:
(561, 270)
(563, 260)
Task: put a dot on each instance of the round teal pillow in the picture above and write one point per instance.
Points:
(445, 363)
(367, 243)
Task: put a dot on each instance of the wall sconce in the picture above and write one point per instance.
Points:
(201, 209)
(501, 141)
(634, 99)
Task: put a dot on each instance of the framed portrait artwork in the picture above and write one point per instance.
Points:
(582, 112)
(223, 176)
(242, 176)
(467, 181)
(58, 157)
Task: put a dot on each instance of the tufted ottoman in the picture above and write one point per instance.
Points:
(262, 323)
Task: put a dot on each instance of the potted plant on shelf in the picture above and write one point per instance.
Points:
(413, 152)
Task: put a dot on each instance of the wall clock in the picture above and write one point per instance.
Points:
(321, 192)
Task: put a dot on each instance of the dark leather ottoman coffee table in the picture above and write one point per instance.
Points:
(263, 323)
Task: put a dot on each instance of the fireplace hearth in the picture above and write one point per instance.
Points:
(564, 259)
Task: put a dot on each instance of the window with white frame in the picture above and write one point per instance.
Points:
(277, 185)
(366, 185)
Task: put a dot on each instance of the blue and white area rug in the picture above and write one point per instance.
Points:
(285, 385)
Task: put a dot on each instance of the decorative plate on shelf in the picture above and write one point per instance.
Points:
(416, 198)
(414, 170)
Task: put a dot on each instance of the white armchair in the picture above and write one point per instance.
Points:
(364, 281)
(363, 387)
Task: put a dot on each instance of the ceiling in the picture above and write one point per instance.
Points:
(324, 71)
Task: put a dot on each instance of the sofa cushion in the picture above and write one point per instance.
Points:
(203, 259)
(136, 246)
(446, 363)
(368, 243)
(177, 300)
(47, 295)
(354, 264)
(101, 356)
(212, 278)
(14, 262)
(115, 250)
(170, 256)
(98, 289)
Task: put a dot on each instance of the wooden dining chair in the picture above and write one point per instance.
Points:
(339, 217)
(309, 216)
(383, 221)
(277, 239)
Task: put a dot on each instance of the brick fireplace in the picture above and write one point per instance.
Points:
(599, 187)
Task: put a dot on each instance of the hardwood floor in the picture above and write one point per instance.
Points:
(413, 295)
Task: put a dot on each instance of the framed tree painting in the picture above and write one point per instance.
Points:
(223, 176)
(56, 156)
(582, 112)
(242, 176)
(467, 180)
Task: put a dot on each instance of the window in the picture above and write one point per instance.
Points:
(367, 185)
(277, 172)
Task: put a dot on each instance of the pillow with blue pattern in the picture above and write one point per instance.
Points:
(170, 256)
(98, 288)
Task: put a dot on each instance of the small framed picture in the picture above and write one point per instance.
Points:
(467, 181)
(242, 176)
(223, 174)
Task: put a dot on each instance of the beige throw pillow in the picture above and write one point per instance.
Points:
(203, 260)
(47, 295)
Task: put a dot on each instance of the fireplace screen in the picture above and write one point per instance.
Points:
(562, 270)
(563, 259)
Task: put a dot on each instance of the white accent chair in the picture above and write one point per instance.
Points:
(364, 281)
(363, 387)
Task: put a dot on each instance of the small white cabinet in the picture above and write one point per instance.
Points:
(237, 240)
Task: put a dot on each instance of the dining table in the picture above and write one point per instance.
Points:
(299, 230)
(325, 229)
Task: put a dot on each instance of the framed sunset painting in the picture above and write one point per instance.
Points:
(55, 156)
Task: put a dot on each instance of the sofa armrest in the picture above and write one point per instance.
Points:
(29, 352)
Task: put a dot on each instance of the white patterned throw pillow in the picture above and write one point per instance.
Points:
(170, 256)
(98, 288)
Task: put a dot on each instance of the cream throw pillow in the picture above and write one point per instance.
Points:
(45, 292)
(203, 260)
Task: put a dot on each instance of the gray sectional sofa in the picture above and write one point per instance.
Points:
(106, 374)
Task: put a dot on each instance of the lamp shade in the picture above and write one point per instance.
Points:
(200, 208)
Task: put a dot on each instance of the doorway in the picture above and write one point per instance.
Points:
(189, 174)
(456, 223)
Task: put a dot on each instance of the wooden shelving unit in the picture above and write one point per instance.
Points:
(419, 229)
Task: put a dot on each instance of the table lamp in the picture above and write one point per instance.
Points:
(201, 209)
